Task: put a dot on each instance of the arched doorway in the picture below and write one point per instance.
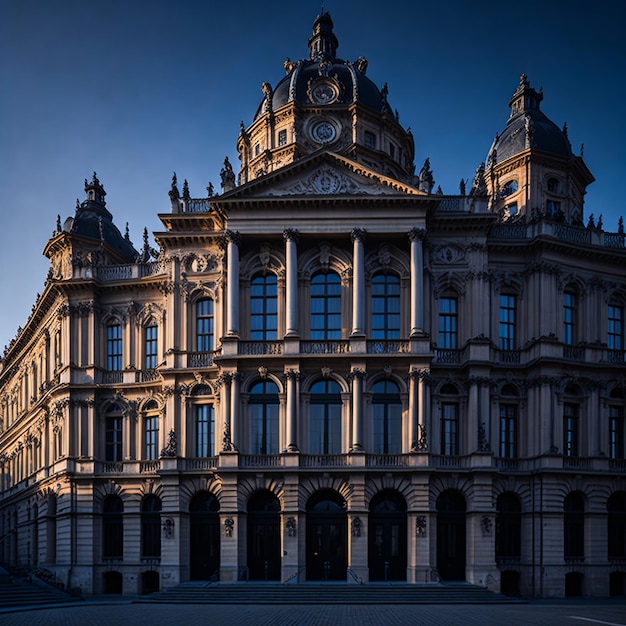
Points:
(326, 536)
(451, 535)
(387, 537)
(264, 536)
(204, 536)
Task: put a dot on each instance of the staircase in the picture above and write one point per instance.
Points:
(16, 592)
(326, 593)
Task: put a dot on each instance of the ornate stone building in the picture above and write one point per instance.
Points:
(328, 371)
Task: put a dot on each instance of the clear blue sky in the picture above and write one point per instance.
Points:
(137, 89)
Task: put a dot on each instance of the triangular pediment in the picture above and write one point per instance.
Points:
(322, 174)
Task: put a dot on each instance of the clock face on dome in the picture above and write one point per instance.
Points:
(323, 132)
(324, 93)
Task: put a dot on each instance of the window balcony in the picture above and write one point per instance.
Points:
(201, 359)
(388, 346)
(339, 346)
(450, 356)
(259, 348)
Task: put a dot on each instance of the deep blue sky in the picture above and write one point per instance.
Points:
(137, 89)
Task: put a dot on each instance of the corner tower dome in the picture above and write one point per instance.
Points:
(325, 102)
(531, 169)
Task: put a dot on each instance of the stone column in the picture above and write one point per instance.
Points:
(416, 235)
(232, 293)
(234, 409)
(291, 237)
(357, 376)
(293, 377)
(358, 236)
(225, 379)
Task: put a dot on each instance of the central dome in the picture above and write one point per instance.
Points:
(325, 102)
(324, 78)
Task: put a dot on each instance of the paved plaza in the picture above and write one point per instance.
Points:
(536, 613)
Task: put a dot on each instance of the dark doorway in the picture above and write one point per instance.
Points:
(112, 582)
(149, 582)
(509, 583)
(326, 537)
(387, 537)
(204, 536)
(617, 584)
(264, 536)
(451, 535)
(573, 585)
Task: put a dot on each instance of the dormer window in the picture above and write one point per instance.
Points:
(553, 185)
(370, 140)
(509, 188)
(257, 149)
(282, 137)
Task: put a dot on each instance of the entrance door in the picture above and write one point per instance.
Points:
(204, 536)
(264, 536)
(326, 537)
(451, 535)
(387, 537)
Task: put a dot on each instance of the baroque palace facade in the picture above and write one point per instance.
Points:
(329, 371)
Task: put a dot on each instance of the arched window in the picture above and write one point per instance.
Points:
(449, 420)
(113, 424)
(204, 422)
(151, 527)
(205, 325)
(385, 290)
(112, 528)
(574, 526)
(114, 347)
(508, 527)
(509, 188)
(263, 408)
(387, 414)
(325, 417)
(263, 308)
(325, 306)
(616, 525)
(151, 431)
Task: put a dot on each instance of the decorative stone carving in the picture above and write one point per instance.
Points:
(420, 526)
(171, 447)
(229, 526)
(486, 525)
(290, 526)
(356, 526)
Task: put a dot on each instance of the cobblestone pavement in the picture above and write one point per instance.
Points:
(538, 613)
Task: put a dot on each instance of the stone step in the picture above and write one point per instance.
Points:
(328, 593)
(18, 592)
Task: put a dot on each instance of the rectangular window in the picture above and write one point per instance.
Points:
(385, 304)
(113, 439)
(616, 432)
(552, 207)
(205, 430)
(570, 429)
(150, 346)
(449, 428)
(257, 149)
(615, 328)
(282, 137)
(204, 325)
(508, 428)
(325, 429)
(114, 347)
(392, 151)
(264, 308)
(569, 318)
(447, 323)
(370, 140)
(151, 447)
(507, 322)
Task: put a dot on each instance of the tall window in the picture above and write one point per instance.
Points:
(615, 327)
(570, 429)
(616, 525)
(113, 435)
(114, 347)
(112, 528)
(508, 526)
(508, 430)
(326, 306)
(151, 346)
(263, 308)
(205, 325)
(263, 414)
(450, 428)
(387, 412)
(569, 318)
(447, 323)
(507, 322)
(205, 429)
(325, 417)
(385, 306)
(151, 527)
(574, 526)
(616, 431)
(151, 431)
